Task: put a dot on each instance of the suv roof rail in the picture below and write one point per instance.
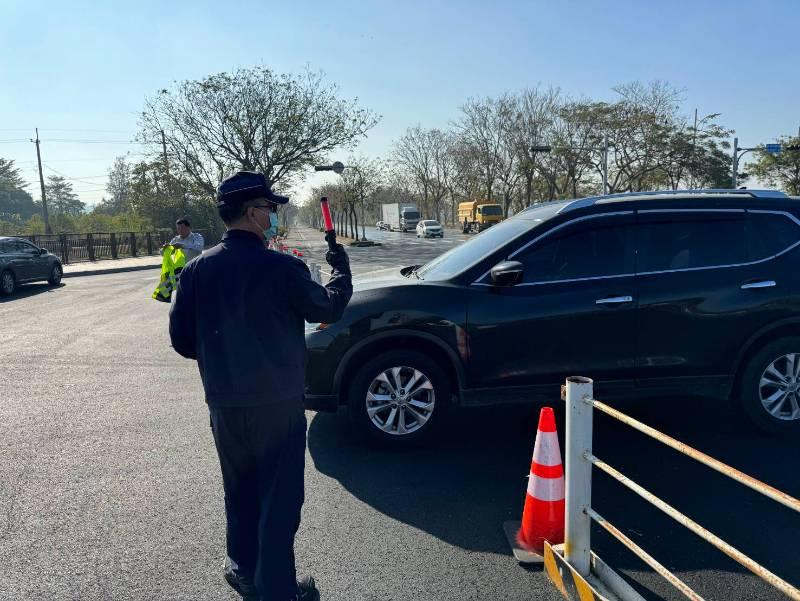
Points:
(587, 202)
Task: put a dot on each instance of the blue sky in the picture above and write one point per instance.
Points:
(81, 70)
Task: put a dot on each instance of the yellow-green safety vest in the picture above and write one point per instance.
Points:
(173, 261)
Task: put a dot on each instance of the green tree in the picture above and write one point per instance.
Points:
(118, 187)
(251, 119)
(780, 170)
(16, 205)
(61, 198)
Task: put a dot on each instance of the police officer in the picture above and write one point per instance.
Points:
(240, 312)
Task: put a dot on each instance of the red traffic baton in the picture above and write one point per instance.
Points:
(326, 217)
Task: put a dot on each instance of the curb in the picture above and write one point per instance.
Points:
(75, 274)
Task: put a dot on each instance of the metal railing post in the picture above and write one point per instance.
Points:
(134, 252)
(578, 477)
(149, 244)
(113, 245)
(64, 249)
(90, 246)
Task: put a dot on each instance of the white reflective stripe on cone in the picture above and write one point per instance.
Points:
(546, 489)
(546, 450)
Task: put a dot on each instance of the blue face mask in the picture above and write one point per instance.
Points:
(272, 230)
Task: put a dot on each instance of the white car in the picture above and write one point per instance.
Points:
(430, 228)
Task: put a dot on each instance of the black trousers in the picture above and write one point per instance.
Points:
(262, 455)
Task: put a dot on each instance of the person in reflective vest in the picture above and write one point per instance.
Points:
(173, 261)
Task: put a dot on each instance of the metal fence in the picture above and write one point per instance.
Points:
(577, 553)
(99, 246)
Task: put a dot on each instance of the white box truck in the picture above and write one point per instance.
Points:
(400, 217)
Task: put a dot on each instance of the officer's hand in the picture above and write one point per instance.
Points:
(338, 259)
(178, 245)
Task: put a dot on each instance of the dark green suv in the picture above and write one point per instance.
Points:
(22, 262)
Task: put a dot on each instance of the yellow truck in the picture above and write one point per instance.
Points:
(477, 215)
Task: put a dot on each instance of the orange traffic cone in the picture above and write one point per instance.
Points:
(543, 515)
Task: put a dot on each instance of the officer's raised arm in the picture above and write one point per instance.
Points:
(322, 304)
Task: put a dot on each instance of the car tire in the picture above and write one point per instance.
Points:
(772, 371)
(377, 376)
(56, 273)
(8, 283)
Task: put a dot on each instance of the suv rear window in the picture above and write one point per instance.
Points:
(686, 241)
(769, 234)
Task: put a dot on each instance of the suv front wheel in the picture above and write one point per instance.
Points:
(399, 397)
(770, 393)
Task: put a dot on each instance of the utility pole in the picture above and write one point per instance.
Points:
(694, 149)
(605, 164)
(735, 165)
(164, 148)
(45, 216)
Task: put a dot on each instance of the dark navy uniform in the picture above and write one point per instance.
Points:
(240, 311)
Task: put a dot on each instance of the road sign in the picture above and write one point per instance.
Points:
(773, 148)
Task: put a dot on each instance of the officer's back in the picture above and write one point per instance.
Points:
(250, 306)
(239, 310)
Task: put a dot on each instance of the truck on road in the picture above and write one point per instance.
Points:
(400, 217)
(477, 215)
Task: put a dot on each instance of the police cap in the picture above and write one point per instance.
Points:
(243, 186)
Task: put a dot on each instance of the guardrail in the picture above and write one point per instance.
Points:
(579, 513)
(99, 246)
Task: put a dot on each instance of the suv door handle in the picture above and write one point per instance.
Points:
(759, 284)
(614, 300)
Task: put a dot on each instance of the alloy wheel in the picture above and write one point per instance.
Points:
(400, 400)
(7, 283)
(779, 387)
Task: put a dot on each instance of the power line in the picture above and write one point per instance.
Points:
(90, 141)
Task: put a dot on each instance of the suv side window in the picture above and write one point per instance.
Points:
(769, 234)
(673, 241)
(28, 248)
(594, 248)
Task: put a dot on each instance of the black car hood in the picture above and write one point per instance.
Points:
(382, 279)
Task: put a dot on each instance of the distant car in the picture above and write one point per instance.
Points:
(430, 228)
(22, 262)
(381, 225)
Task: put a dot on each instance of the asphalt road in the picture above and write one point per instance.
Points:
(110, 488)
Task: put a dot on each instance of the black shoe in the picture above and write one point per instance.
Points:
(307, 589)
(242, 585)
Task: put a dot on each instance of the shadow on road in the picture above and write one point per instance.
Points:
(461, 487)
(28, 290)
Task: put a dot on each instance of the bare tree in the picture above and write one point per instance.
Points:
(481, 126)
(361, 179)
(423, 154)
(251, 119)
(535, 115)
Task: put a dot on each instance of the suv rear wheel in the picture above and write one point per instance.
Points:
(7, 283)
(770, 393)
(399, 397)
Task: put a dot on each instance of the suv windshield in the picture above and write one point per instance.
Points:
(461, 258)
(430, 222)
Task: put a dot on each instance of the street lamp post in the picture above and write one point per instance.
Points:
(603, 149)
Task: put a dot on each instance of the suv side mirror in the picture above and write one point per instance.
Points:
(42, 251)
(507, 273)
